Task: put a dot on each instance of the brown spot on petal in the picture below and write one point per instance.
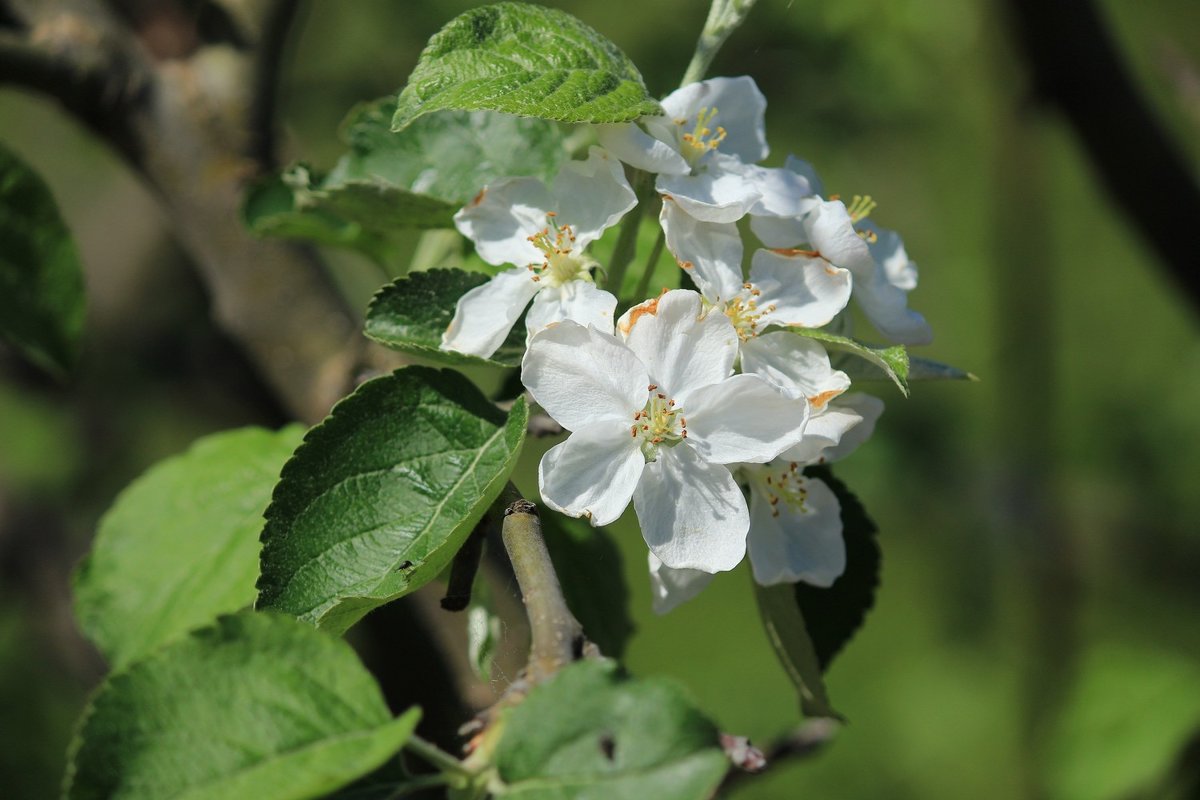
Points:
(637, 312)
(796, 251)
(819, 400)
(477, 199)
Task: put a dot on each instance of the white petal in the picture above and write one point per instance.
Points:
(692, 513)
(581, 376)
(670, 587)
(778, 231)
(485, 315)
(831, 233)
(784, 193)
(807, 171)
(741, 109)
(796, 364)
(503, 216)
(744, 419)
(806, 292)
(710, 251)
(682, 349)
(593, 473)
(823, 432)
(717, 193)
(578, 301)
(865, 406)
(797, 545)
(591, 196)
(639, 149)
(886, 306)
(888, 250)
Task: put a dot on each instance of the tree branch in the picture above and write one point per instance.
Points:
(1076, 67)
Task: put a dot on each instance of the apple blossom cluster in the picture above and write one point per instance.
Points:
(694, 399)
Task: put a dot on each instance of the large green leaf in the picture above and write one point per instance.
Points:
(590, 733)
(180, 545)
(41, 284)
(256, 706)
(785, 627)
(588, 563)
(528, 60)
(450, 155)
(411, 314)
(881, 363)
(380, 496)
(389, 181)
(834, 614)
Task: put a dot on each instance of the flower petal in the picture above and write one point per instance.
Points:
(592, 195)
(671, 587)
(593, 473)
(779, 231)
(741, 111)
(886, 306)
(581, 376)
(888, 250)
(692, 513)
(824, 431)
(797, 545)
(578, 301)
(682, 348)
(798, 289)
(717, 193)
(784, 193)
(485, 315)
(743, 420)
(639, 149)
(711, 251)
(868, 408)
(503, 216)
(831, 233)
(795, 364)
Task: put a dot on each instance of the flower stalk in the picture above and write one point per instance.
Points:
(724, 17)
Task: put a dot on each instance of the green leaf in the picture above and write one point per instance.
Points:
(833, 615)
(411, 314)
(41, 284)
(256, 706)
(591, 733)
(926, 369)
(380, 496)
(450, 155)
(179, 547)
(883, 363)
(528, 60)
(588, 563)
(786, 631)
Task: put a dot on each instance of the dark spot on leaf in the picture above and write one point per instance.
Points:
(483, 24)
(608, 746)
(403, 565)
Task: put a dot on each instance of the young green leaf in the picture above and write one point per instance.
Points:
(256, 705)
(41, 284)
(381, 495)
(411, 314)
(833, 615)
(882, 363)
(527, 60)
(785, 627)
(179, 547)
(588, 563)
(592, 732)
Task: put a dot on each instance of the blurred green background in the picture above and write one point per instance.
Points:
(1037, 632)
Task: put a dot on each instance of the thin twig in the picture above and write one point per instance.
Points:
(799, 744)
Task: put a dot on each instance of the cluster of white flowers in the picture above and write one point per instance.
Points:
(692, 395)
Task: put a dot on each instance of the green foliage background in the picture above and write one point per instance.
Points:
(1035, 633)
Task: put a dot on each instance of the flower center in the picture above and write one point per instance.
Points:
(744, 312)
(659, 424)
(704, 136)
(561, 263)
(785, 485)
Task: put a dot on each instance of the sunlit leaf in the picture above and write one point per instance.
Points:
(863, 361)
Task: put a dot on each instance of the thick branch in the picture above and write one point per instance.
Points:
(1076, 66)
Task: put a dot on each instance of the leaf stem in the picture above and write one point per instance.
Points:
(435, 756)
(724, 17)
(648, 273)
(626, 247)
(556, 636)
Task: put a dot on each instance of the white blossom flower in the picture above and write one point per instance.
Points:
(656, 418)
(544, 231)
(843, 236)
(705, 152)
